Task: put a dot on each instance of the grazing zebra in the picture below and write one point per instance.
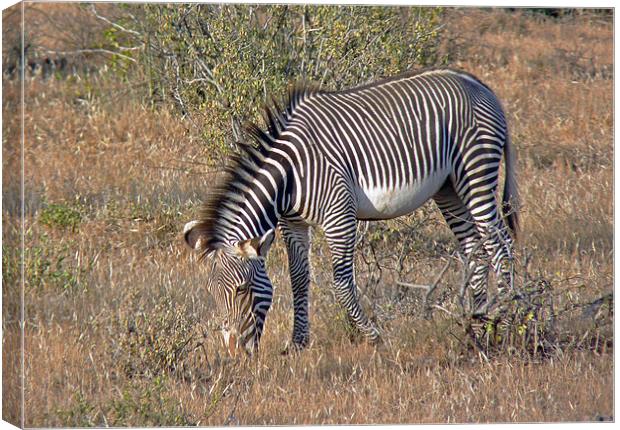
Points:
(329, 159)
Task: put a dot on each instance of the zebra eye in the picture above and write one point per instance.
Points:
(243, 287)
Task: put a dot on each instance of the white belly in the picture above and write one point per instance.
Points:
(384, 203)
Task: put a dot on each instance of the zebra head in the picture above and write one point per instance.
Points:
(239, 284)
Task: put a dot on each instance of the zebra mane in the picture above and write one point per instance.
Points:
(277, 118)
(244, 164)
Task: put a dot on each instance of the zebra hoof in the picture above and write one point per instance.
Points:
(480, 306)
(373, 337)
(480, 311)
(294, 348)
(377, 342)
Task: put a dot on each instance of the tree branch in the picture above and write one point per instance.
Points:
(113, 24)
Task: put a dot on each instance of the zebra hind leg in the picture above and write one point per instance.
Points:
(484, 210)
(463, 227)
(499, 248)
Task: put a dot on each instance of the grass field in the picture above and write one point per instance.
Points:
(117, 320)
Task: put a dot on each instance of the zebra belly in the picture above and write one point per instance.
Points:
(374, 203)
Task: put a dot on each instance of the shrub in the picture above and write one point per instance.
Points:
(155, 341)
(137, 405)
(148, 405)
(221, 62)
(48, 267)
(61, 215)
(523, 322)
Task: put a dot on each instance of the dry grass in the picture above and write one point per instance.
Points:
(117, 321)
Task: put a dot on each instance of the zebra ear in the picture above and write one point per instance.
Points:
(257, 247)
(193, 236)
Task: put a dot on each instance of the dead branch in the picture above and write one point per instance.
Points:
(113, 24)
(418, 286)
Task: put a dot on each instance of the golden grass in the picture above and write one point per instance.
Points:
(96, 291)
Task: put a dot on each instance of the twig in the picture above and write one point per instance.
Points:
(441, 308)
(419, 286)
(113, 24)
(437, 279)
(90, 51)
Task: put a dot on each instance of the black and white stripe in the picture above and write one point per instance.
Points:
(374, 152)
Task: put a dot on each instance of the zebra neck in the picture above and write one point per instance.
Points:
(252, 206)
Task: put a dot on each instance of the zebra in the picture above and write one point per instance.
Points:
(332, 158)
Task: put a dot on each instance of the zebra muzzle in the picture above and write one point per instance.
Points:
(230, 342)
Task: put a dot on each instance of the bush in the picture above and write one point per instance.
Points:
(219, 63)
(137, 405)
(61, 216)
(155, 341)
(48, 266)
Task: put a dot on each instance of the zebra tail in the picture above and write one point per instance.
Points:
(510, 200)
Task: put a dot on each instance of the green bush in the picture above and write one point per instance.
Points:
(137, 405)
(148, 405)
(48, 266)
(155, 341)
(61, 215)
(220, 63)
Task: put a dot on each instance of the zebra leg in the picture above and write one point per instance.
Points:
(296, 237)
(463, 227)
(479, 195)
(341, 236)
(499, 248)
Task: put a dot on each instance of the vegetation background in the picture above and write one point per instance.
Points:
(131, 111)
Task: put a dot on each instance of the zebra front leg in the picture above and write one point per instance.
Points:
(296, 236)
(341, 240)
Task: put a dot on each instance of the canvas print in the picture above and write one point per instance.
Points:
(255, 214)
